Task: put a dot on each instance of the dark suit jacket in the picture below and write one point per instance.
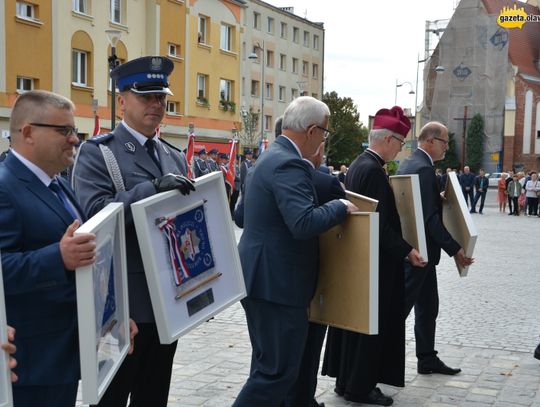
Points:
(481, 183)
(279, 249)
(95, 190)
(437, 236)
(40, 292)
(244, 167)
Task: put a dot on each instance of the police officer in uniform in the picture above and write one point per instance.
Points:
(200, 167)
(212, 163)
(244, 167)
(127, 165)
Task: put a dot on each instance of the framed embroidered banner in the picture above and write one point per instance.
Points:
(409, 205)
(190, 256)
(102, 303)
(5, 374)
(457, 219)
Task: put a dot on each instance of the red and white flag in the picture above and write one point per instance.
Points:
(230, 174)
(189, 153)
(97, 129)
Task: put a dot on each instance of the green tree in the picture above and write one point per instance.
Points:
(475, 143)
(249, 136)
(345, 143)
(450, 159)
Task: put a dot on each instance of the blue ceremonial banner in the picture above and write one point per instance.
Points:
(189, 246)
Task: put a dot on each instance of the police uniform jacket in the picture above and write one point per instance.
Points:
(95, 189)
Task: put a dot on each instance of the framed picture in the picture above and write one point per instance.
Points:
(363, 203)
(6, 399)
(409, 205)
(102, 303)
(347, 294)
(189, 254)
(457, 219)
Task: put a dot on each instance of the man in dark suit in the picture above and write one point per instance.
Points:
(127, 165)
(466, 181)
(38, 217)
(421, 283)
(357, 361)
(481, 184)
(279, 252)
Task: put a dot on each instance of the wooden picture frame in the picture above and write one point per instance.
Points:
(102, 303)
(347, 294)
(188, 284)
(6, 398)
(363, 203)
(457, 219)
(408, 198)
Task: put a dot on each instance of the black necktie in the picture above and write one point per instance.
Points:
(150, 145)
(57, 189)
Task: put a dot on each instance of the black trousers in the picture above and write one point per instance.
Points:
(145, 374)
(302, 394)
(421, 292)
(278, 335)
(510, 204)
(469, 196)
(479, 196)
(61, 395)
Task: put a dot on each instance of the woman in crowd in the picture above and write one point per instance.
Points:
(502, 196)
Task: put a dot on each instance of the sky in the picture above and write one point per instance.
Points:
(369, 45)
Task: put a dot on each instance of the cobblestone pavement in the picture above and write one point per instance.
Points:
(489, 325)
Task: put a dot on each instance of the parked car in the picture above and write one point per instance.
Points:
(493, 178)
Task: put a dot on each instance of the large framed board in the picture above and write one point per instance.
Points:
(457, 219)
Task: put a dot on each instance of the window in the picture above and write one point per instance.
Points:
(283, 62)
(226, 37)
(26, 10)
(295, 65)
(172, 107)
(225, 90)
(202, 36)
(267, 123)
(294, 93)
(269, 90)
(305, 68)
(24, 84)
(283, 30)
(201, 87)
(315, 71)
(80, 6)
(296, 34)
(269, 58)
(116, 12)
(306, 38)
(254, 88)
(282, 93)
(270, 25)
(79, 65)
(315, 42)
(174, 50)
(256, 20)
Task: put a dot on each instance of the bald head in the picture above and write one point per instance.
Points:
(433, 139)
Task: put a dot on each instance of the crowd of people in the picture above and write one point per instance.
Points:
(287, 200)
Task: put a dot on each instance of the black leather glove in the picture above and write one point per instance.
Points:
(168, 182)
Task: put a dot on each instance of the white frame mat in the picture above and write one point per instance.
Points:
(177, 312)
(103, 344)
(6, 398)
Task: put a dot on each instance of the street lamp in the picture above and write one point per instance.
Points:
(114, 37)
(399, 85)
(253, 56)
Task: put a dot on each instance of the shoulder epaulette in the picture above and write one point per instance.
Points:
(170, 145)
(100, 138)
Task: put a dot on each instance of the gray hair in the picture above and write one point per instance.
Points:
(378, 134)
(30, 106)
(277, 126)
(303, 112)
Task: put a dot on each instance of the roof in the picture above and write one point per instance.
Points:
(524, 43)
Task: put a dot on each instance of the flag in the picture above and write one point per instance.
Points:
(96, 126)
(190, 151)
(230, 174)
(263, 145)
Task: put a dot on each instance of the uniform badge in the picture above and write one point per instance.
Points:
(130, 146)
(156, 64)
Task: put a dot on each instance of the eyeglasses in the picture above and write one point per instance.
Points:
(400, 140)
(441, 140)
(150, 97)
(327, 132)
(65, 131)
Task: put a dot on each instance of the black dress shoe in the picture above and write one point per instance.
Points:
(537, 352)
(375, 396)
(435, 365)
